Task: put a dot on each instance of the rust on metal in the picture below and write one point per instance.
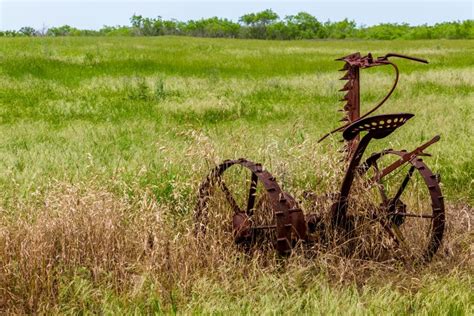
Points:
(437, 200)
(353, 63)
(288, 217)
(290, 224)
(404, 158)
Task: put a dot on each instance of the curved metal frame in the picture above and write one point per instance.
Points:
(432, 183)
(288, 217)
(354, 114)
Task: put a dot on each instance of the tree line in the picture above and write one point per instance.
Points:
(264, 25)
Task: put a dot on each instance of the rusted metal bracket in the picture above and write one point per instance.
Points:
(289, 224)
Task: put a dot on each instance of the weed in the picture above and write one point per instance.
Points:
(100, 168)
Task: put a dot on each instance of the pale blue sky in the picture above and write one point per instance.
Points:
(94, 14)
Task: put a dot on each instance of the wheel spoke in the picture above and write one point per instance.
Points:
(409, 221)
(380, 186)
(412, 215)
(252, 194)
(229, 197)
(404, 184)
(262, 227)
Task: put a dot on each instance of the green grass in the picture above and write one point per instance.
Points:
(135, 115)
(64, 98)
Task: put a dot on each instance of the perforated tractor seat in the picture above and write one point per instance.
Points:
(379, 126)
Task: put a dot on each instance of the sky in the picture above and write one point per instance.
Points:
(88, 14)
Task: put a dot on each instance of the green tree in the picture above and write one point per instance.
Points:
(136, 21)
(265, 25)
(27, 31)
(303, 26)
(212, 27)
(115, 31)
(64, 30)
(340, 30)
(385, 31)
(258, 23)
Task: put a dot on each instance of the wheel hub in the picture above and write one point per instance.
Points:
(241, 227)
(395, 209)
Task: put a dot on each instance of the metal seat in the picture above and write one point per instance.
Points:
(379, 126)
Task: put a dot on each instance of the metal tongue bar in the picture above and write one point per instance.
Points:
(406, 157)
(420, 60)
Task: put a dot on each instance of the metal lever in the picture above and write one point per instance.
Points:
(420, 60)
(406, 157)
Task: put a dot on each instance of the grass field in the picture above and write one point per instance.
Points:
(105, 141)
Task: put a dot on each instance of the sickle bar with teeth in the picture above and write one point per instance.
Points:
(289, 224)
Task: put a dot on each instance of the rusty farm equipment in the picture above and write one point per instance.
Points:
(413, 219)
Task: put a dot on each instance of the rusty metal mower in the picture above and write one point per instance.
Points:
(413, 218)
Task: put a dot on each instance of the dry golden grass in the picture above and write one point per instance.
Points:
(128, 128)
(72, 247)
(137, 246)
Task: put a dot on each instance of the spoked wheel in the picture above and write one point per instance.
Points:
(247, 202)
(412, 206)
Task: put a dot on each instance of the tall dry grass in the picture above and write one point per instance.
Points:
(135, 247)
(72, 247)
